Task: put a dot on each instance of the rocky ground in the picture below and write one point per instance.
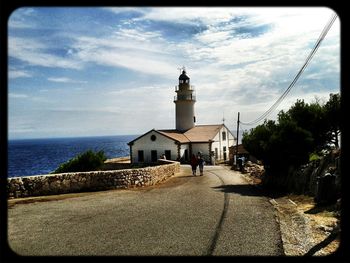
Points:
(306, 229)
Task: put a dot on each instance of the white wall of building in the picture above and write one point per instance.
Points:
(160, 144)
(183, 148)
(220, 144)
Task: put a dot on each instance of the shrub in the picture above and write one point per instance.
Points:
(314, 157)
(87, 161)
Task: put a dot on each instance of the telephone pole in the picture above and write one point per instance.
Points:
(237, 141)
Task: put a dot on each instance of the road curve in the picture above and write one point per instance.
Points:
(215, 214)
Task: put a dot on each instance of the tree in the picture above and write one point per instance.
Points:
(333, 113)
(288, 143)
(310, 117)
(87, 161)
(279, 145)
(257, 140)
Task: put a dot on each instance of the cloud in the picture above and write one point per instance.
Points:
(188, 15)
(13, 74)
(119, 10)
(17, 96)
(135, 49)
(65, 80)
(20, 18)
(36, 53)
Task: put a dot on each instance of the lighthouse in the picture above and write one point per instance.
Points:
(213, 140)
(184, 103)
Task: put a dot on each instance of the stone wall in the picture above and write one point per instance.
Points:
(90, 181)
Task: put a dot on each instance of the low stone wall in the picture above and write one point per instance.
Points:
(90, 181)
(117, 163)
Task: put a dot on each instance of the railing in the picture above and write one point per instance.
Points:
(189, 97)
(191, 88)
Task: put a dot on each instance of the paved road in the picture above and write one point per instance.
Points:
(214, 214)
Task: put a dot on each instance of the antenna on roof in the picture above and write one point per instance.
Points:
(223, 117)
(182, 69)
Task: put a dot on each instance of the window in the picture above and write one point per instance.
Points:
(168, 154)
(224, 136)
(154, 156)
(141, 156)
(153, 138)
(216, 153)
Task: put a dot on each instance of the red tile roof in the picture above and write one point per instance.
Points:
(203, 133)
(200, 133)
(175, 135)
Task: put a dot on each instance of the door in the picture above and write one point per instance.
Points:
(154, 156)
(168, 154)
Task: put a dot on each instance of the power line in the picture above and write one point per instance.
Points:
(312, 53)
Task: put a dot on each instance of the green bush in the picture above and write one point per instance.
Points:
(314, 157)
(87, 161)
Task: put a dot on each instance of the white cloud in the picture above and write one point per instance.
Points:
(118, 10)
(136, 50)
(19, 18)
(13, 74)
(65, 80)
(17, 96)
(189, 15)
(36, 53)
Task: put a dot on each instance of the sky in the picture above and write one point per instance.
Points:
(91, 71)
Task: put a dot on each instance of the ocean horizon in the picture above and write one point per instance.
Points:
(37, 156)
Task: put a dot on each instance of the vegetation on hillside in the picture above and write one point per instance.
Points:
(297, 136)
(87, 161)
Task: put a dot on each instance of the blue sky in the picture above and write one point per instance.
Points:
(82, 71)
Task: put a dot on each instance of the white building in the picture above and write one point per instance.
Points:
(213, 141)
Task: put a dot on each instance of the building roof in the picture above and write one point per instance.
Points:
(172, 134)
(241, 149)
(175, 135)
(200, 133)
(203, 133)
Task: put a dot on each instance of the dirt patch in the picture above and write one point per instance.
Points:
(306, 229)
(305, 233)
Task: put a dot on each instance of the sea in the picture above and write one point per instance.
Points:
(42, 156)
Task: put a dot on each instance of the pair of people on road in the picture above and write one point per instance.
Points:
(197, 161)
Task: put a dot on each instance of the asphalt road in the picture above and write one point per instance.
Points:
(215, 214)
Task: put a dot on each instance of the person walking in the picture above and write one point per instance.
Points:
(194, 164)
(200, 164)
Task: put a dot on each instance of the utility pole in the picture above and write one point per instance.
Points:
(237, 142)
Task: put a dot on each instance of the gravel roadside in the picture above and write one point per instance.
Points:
(305, 228)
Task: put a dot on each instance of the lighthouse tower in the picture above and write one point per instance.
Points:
(184, 103)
